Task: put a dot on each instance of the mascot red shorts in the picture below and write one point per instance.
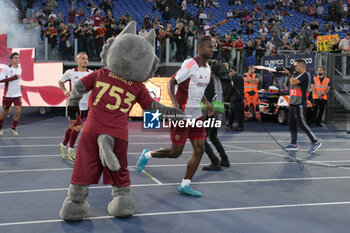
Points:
(88, 168)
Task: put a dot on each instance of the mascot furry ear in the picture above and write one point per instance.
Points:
(129, 57)
(122, 55)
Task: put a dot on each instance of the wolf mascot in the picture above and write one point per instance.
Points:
(128, 61)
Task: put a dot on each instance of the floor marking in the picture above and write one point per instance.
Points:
(150, 176)
(190, 212)
(132, 168)
(162, 143)
(184, 152)
(198, 182)
(287, 156)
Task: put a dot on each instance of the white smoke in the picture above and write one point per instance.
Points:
(18, 34)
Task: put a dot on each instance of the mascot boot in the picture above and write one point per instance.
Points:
(75, 206)
(122, 204)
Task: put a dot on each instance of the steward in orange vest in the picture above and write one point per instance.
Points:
(320, 86)
(251, 93)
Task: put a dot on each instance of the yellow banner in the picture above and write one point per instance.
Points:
(324, 43)
(158, 88)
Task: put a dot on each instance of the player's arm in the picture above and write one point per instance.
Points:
(66, 77)
(4, 76)
(208, 106)
(171, 90)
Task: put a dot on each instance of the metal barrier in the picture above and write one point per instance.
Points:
(338, 70)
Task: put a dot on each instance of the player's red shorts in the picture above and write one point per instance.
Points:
(179, 135)
(7, 102)
(88, 168)
(79, 120)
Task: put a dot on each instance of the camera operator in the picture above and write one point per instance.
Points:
(236, 99)
(297, 106)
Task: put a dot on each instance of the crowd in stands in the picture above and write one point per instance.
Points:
(92, 28)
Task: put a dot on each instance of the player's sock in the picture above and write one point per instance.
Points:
(148, 155)
(14, 125)
(73, 137)
(185, 182)
(67, 136)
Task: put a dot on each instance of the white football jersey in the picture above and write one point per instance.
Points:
(192, 79)
(73, 75)
(12, 88)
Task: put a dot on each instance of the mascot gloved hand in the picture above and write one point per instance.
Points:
(128, 60)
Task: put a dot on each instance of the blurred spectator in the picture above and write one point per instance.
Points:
(295, 43)
(119, 29)
(79, 35)
(285, 33)
(249, 48)
(249, 30)
(156, 20)
(239, 45)
(286, 45)
(184, 8)
(331, 11)
(269, 6)
(52, 15)
(65, 44)
(234, 35)
(81, 14)
(320, 11)
(263, 29)
(226, 48)
(294, 33)
(339, 10)
(89, 21)
(191, 35)
(110, 31)
(344, 44)
(71, 17)
(100, 38)
(51, 4)
(59, 20)
(229, 14)
(166, 16)
(206, 28)
(259, 48)
(97, 20)
(89, 37)
(147, 21)
(41, 14)
(216, 3)
(180, 42)
(51, 34)
(335, 46)
(143, 32)
(312, 10)
(258, 8)
(202, 16)
(104, 6)
(109, 19)
(277, 29)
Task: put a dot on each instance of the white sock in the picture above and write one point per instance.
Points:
(148, 155)
(185, 182)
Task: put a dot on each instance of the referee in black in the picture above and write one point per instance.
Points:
(299, 86)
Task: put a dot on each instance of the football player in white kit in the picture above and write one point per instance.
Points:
(72, 132)
(192, 79)
(11, 76)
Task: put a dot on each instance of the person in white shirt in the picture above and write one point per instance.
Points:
(191, 80)
(143, 32)
(72, 132)
(344, 44)
(11, 76)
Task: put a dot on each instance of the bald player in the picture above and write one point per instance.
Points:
(72, 76)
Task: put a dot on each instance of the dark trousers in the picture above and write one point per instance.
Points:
(320, 105)
(212, 134)
(236, 113)
(296, 116)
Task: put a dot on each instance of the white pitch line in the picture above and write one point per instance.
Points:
(286, 156)
(162, 143)
(184, 152)
(200, 211)
(198, 182)
(131, 168)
